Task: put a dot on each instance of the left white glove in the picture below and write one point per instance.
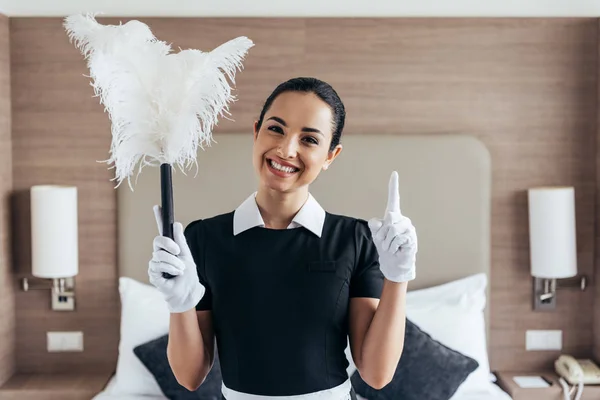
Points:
(395, 238)
(182, 291)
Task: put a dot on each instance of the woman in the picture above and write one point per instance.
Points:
(281, 283)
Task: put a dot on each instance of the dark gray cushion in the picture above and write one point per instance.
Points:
(154, 356)
(427, 370)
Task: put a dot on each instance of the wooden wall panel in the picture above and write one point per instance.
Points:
(525, 87)
(59, 132)
(7, 306)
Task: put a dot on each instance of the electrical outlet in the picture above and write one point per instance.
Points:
(64, 341)
(543, 340)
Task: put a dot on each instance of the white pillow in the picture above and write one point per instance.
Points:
(453, 314)
(144, 316)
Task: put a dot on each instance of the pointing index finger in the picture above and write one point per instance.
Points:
(393, 204)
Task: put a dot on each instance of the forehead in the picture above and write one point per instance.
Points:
(300, 110)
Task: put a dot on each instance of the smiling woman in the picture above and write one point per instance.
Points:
(300, 137)
(281, 283)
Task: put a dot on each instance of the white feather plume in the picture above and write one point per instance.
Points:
(162, 105)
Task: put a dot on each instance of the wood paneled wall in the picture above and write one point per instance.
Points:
(7, 305)
(59, 132)
(526, 87)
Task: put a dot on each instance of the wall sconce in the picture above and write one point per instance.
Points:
(552, 242)
(54, 243)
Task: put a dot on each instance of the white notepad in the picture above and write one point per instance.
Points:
(530, 382)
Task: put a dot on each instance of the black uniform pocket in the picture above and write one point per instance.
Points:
(321, 266)
(341, 268)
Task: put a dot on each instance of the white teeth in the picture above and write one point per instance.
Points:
(282, 168)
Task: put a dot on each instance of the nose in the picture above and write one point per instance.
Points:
(287, 148)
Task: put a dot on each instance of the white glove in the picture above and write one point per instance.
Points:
(183, 291)
(395, 238)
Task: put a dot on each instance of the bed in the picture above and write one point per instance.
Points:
(445, 183)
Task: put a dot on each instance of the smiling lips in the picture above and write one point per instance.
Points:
(280, 168)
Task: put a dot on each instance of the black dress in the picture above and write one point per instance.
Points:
(280, 299)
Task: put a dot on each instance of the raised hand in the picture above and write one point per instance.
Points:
(183, 291)
(395, 238)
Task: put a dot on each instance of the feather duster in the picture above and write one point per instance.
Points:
(163, 105)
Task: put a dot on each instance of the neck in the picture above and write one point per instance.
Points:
(278, 209)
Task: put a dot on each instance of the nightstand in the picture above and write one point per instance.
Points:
(553, 392)
(75, 386)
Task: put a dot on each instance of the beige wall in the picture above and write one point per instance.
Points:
(7, 308)
(527, 88)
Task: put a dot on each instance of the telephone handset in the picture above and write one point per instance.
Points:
(577, 371)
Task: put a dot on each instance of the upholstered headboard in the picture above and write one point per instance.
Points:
(444, 188)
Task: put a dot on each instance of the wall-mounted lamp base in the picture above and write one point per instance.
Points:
(544, 290)
(544, 294)
(62, 291)
(64, 300)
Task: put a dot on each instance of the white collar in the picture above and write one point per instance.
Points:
(247, 215)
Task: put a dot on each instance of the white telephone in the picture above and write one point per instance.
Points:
(577, 373)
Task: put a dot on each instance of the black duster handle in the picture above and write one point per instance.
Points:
(166, 194)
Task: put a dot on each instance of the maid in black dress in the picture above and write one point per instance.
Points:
(279, 282)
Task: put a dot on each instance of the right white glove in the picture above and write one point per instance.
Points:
(395, 238)
(183, 291)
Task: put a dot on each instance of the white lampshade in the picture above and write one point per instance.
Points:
(552, 241)
(54, 234)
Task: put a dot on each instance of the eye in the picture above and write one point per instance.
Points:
(275, 128)
(311, 140)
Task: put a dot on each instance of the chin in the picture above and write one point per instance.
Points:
(278, 185)
(282, 187)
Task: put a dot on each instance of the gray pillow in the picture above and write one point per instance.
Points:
(427, 370)
(153, 355)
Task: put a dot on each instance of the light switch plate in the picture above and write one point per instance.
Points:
(537, 340)
(64, 341)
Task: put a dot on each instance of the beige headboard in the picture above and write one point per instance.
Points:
(445, 183)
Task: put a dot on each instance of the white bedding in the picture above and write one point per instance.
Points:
(492, 393)
(108, 394)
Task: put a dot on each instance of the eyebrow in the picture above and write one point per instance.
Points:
(304, 129)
